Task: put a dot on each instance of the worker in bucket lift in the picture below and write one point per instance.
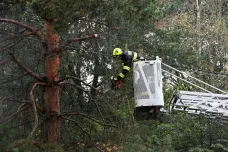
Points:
(127, 57)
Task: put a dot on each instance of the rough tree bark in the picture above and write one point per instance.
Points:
(52, 91)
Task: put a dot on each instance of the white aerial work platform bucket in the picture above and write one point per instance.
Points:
(148, 92)
(148, 83)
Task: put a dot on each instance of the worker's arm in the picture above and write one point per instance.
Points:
(125, 70)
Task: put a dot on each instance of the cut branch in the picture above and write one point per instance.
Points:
(31, 73)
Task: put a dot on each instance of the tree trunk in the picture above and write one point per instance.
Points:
(198, 27)
(52, 91)
(95, 78)
(80, 96)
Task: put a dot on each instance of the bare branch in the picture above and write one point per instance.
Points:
(88, 117)
(103, 124)
(23, 107)
(82, 39)
(78, 125)
(34, 107)
(88, 93)
(94, 21)
(31, 73)
(25, 34)
(76, 78)
(4, 61)
(31, 142)
(27, 122)
(39, 108)
(11, 45)
(31, 29)
(98, 148)
(9, 119)
(129, 110)
(7, 81)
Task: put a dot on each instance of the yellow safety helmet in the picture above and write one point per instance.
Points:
(117, 52)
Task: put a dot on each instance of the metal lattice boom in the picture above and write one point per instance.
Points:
(208, 104)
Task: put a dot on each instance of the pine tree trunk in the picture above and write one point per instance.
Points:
(52, 91)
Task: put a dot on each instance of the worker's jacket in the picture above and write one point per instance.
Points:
(128, 58)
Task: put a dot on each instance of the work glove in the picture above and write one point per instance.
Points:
(116, 84)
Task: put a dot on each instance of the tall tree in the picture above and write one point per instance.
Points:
(54, 30)
(51, 82)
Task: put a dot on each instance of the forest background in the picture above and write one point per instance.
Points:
(56, 55)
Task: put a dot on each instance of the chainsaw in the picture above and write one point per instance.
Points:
(115, 84)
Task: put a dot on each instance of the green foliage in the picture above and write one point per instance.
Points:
(172, 34)
(168, 92)
(148, 136)
(23, 146)
(4, 143)
(51, 148)
(73, 11)
(174, 48)
(219, 147)
(199, 149)
(166, 9)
